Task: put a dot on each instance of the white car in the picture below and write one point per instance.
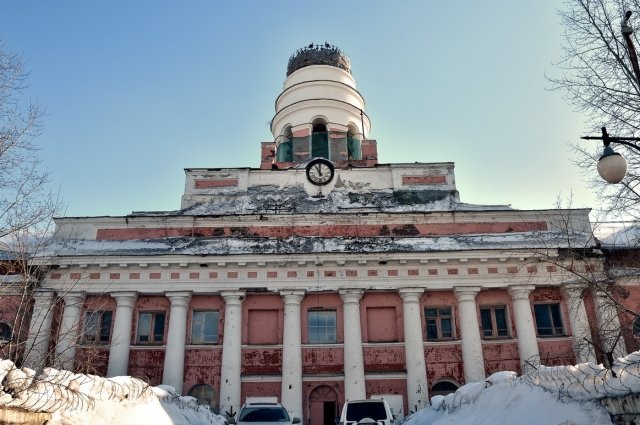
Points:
(263, 414)
(369, 411)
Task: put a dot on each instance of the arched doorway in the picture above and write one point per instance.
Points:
(323, 406)
(443, 388)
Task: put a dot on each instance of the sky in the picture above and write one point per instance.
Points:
(137, 91)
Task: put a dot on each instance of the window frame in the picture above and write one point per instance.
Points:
(438, 323)
(154, 314)
(635, 327)
(3, 340)
(554, 327)
(327, 340)
(99, 327)
(494, 322)
(203, 336)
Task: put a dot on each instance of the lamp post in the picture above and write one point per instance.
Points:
(627, 32)
(612, 166)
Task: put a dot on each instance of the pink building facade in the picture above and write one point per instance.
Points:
(320, 277)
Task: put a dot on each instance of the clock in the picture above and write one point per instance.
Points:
(320, 171)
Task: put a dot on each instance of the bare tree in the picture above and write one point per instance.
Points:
(596, 76)
(594, 278)
(26, 204)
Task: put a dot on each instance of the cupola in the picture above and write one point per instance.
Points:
(320, 113)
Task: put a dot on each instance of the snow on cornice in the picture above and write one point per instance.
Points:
(317, 245)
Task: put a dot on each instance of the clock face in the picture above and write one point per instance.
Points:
(320, 171)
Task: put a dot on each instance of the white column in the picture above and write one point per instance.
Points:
(354, 383)
(69, 326)
(417, 388)
(583, 350)
(37, 345)
(292, 354)
(609, 325)
(173, 373)
(525, 328)
(121, 338)
(230, 385)
(472, 356)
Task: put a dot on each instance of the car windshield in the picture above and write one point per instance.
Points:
(263, 414)
(358, 411)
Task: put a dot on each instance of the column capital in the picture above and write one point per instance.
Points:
(600, 293)
(573, 291)
(520, 292)
(351, 295)
(292, 297)
(178, 299)
(75, 297)
(410, 295)
(41, 297)
(124, 297)
(233, 297)
(466, 293)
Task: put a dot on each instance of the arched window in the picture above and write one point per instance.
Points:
(284, 151)
(443, 388)
(6, 333)
(319, 139)
(204, 394)
(354, 143)
(636, 327)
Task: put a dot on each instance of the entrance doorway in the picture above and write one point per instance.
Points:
(323, 406)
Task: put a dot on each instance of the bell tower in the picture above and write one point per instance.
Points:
(319, 114)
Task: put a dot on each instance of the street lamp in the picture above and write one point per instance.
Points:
(612, 166)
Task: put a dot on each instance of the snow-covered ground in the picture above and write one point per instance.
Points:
(76, 399)
(505, 399)
(561, 395)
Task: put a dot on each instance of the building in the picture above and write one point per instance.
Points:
(321, 276)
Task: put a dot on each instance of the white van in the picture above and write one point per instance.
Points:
(366, 411)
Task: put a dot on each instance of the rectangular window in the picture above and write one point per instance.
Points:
(439, 323)
(494, 322)
(548, 319)
(321, 326)
(97, 327)
(151, 328)
(204, 327)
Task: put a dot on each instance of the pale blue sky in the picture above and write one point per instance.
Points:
(137, 91)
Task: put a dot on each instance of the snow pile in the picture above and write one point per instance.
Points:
(505, 399)
(588, 381)
(562, 395)
(75, 398)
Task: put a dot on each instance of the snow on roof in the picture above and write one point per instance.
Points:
(623, 237)
(273, 199)
(305, 245)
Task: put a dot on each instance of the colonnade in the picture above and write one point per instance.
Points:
(292, 390)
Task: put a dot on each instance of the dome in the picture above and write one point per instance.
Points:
(318, 54)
